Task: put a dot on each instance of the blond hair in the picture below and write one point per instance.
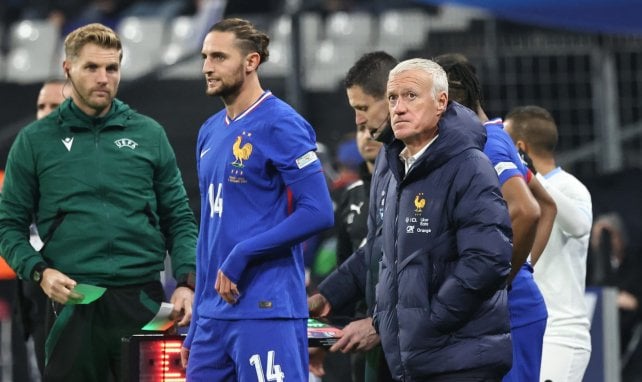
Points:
(95, 33)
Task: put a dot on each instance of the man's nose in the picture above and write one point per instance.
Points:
(102, 75)
(399, 106)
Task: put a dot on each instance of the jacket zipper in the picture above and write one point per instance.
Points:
(396, 237)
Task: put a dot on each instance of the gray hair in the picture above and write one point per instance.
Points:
(434, 70)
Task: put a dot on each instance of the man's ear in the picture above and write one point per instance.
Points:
(252, 61)
(442, 102)
(65, 68)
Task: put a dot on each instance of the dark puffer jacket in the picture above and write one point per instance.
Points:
(441, 298)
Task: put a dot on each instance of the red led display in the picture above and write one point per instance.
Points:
(153, 358)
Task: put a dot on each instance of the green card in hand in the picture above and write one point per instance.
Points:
(85, 294)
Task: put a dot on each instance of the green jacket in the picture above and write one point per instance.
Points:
(106, 194)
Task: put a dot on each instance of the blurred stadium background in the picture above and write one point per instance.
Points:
(580, 60)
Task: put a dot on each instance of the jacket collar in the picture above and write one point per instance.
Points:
(70, 117)
(459, 130)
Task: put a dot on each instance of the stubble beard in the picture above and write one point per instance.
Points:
(227, 91)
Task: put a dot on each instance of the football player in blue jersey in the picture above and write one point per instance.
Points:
(262, 193)
(532, 216)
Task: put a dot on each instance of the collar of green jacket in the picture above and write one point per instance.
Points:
(71, 117)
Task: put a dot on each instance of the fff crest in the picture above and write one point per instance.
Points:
(241, 152)
(420, 203)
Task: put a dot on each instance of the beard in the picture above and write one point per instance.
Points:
(226, 90)
(229, 89)
(87, 102)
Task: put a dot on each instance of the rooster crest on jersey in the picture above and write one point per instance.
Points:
(241, 153)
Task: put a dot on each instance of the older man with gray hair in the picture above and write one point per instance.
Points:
(441, 299)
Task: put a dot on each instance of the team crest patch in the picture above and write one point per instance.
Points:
(420, 203)
(241, 152)
(125, 142)
(306, 159)
(416, 223)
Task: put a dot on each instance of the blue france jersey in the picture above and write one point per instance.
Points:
(502, 153)
(244, 168)
(525, 301)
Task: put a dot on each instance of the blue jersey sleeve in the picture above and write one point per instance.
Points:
(293, 149)
(312, 214)
(503, 155)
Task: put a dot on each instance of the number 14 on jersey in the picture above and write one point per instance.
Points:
(273, 372)
(216, 203)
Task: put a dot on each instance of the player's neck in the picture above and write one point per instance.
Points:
(482, 114)
(247, 95)
(370, 166)
(544, 165)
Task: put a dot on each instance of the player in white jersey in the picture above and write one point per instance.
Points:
(561, 270)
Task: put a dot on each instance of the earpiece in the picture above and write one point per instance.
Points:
(73, 85)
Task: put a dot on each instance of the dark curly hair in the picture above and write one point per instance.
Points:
(249, 38)
(463, 84)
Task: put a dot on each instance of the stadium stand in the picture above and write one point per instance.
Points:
(143, 39)
(33, 44)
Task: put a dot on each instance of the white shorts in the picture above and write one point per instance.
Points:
(561, 363)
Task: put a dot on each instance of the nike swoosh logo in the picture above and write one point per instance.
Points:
(68, 142)
(205, 152)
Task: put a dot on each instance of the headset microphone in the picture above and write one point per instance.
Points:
(73, 85)
(71, 80)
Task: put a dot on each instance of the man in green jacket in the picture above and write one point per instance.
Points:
(102, 183)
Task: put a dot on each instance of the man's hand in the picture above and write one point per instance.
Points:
(182, 298)
(57, 286)
(627, 301)
(184, 357)
(317, 355)
(226, 288)
(358, 335)
(527, 161)
(318, 306)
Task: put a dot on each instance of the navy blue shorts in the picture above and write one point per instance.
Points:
(527, 352)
